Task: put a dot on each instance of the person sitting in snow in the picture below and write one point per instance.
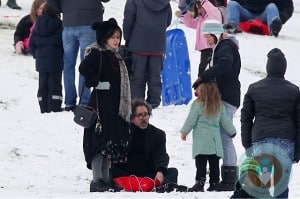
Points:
(25, 26)
(147, 155)
(273, 13)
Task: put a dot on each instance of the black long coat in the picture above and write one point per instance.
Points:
(46, 44)
(271, 109)
(114, 127)
(285, 7)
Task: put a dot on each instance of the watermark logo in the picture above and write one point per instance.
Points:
(265, 171)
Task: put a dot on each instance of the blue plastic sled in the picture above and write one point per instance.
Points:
(176, 78)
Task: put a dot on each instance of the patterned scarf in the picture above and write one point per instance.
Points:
(125, 94)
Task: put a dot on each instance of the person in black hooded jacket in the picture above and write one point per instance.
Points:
(47, 50)
(271, 112)
(224, 69)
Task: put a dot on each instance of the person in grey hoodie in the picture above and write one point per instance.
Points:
(77, 35)
(144, 27)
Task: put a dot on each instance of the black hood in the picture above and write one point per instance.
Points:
(276, 64)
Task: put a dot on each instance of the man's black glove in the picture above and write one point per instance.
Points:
(296, 157)
(197, 83)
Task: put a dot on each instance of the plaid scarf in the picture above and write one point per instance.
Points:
(125, 94)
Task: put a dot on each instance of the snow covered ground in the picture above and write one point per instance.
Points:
(41, 154)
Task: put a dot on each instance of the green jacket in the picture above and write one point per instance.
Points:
(206, 130)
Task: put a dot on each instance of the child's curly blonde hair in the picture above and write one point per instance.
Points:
(209, 95)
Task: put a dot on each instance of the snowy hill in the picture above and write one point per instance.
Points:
(41, 154)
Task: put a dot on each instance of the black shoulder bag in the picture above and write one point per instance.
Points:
(86, 116)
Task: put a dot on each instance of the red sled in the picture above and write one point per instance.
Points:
(254, 26)
(134, 183)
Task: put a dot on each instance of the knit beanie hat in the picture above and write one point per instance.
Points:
(212, 27)
(276, 64)
(105, 29)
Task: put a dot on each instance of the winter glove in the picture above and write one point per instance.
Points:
(197, 83)
(19, 47)
(296, 157)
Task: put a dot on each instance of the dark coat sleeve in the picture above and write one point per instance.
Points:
(23, 29)
(247, 116)
(297, 122)
(129, 19)
(158, 150)
(89, 67)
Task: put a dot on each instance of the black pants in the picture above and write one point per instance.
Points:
(50, 91)
(213, 161)
(204, 60)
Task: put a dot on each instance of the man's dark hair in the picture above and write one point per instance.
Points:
(139, 102)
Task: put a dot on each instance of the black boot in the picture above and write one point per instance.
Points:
(13, 4)
(99, 186)
(229, 178)
(198, 187)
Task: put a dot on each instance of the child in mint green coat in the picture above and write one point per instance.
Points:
(206, 116)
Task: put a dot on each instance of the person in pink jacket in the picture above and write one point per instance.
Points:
(203, 10)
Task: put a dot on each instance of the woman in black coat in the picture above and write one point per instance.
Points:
(105, 70)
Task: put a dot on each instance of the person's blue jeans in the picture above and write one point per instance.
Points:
(229, 158)
(240, 14)
(286, 145)
(75, 38)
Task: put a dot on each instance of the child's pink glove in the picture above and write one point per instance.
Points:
(19, 47)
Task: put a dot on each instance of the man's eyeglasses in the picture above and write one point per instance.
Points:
(142, 115)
